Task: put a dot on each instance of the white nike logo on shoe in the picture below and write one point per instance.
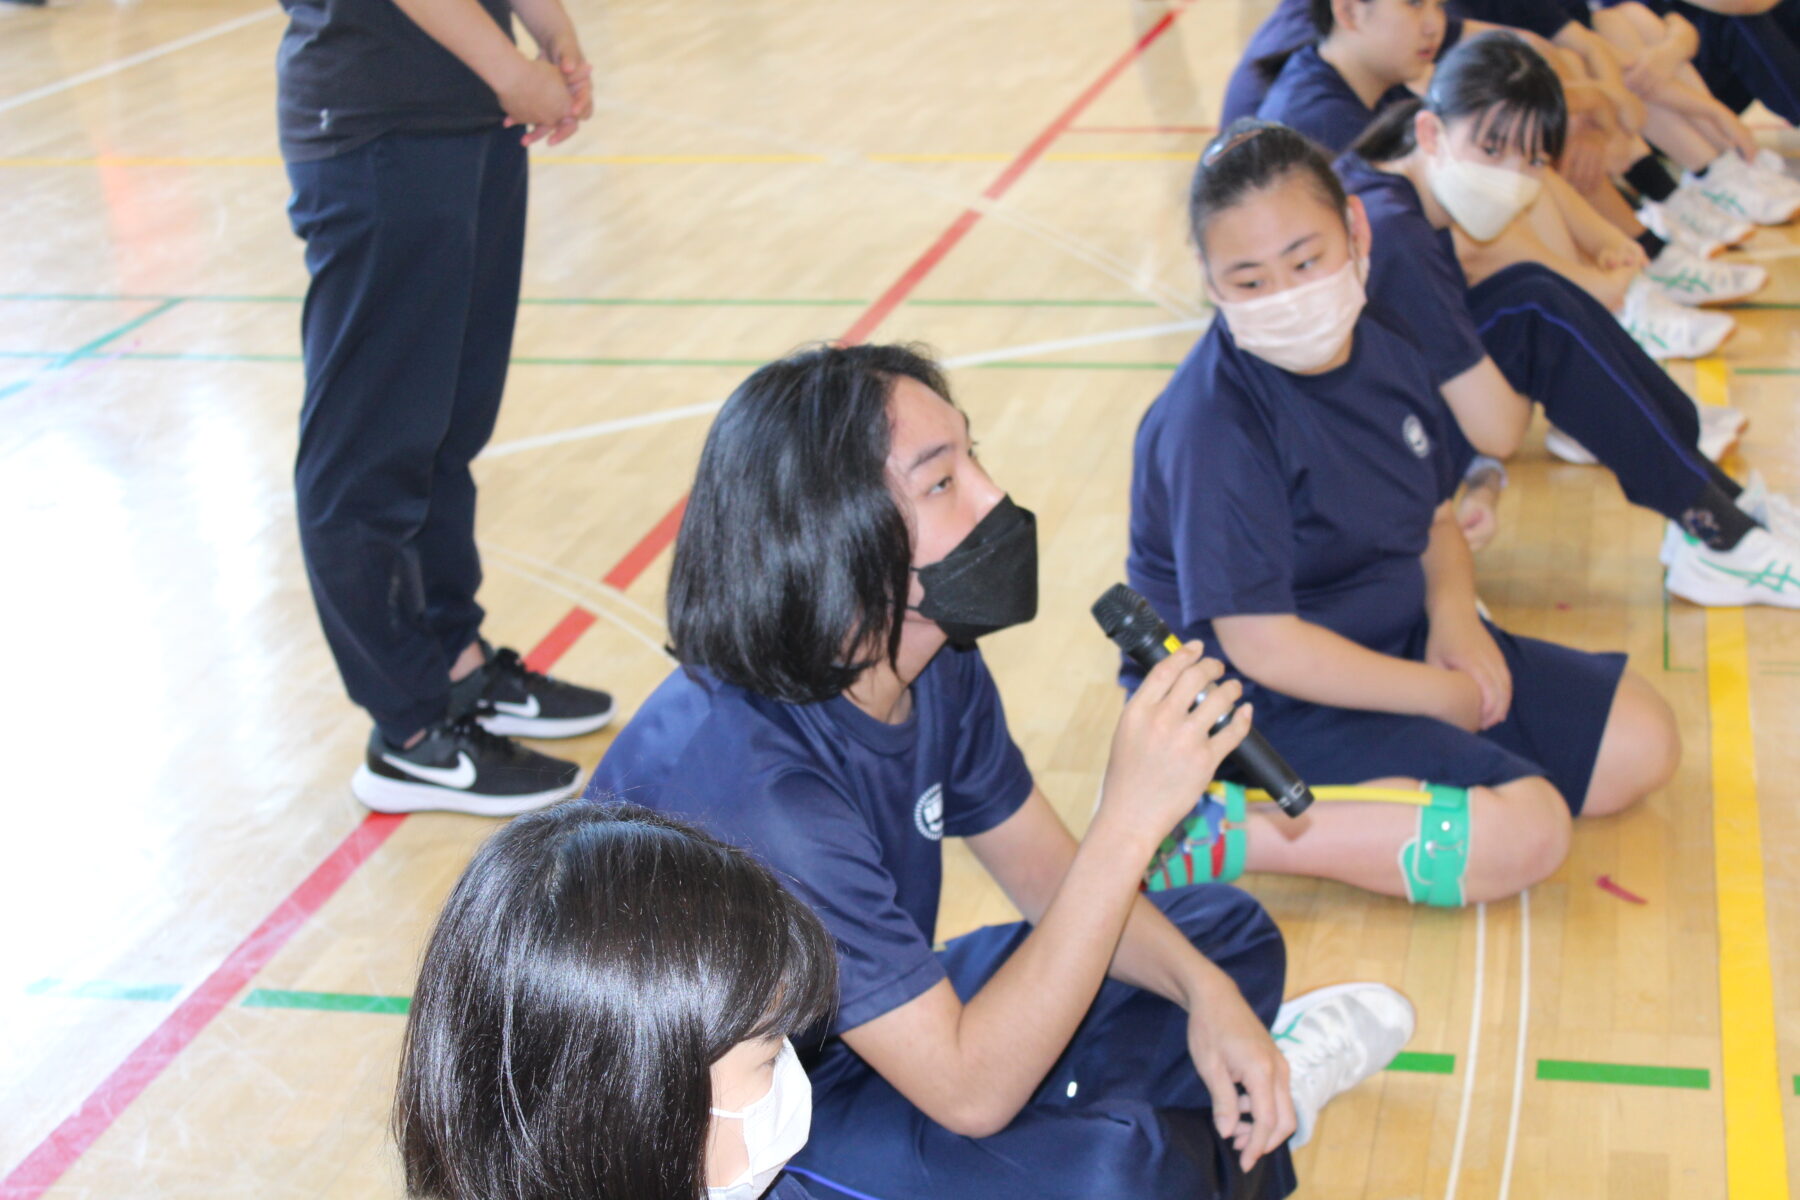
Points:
(527, 710)
(459, 777)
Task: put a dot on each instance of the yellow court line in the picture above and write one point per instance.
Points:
(622, 160)
(1755, 1141)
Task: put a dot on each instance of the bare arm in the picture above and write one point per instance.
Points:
(1458, 640)
(1312, 663)
(1492, 416)
(972, 1067)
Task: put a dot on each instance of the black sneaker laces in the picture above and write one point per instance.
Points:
(469, 730)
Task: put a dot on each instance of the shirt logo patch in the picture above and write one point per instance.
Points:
(1413, 430)
(928, 813)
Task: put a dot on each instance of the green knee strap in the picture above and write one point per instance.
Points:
(1433, 863)
(1192, 855)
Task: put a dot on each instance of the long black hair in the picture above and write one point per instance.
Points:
(1323, 21)
(590, 966)
(1250, 155)
(1495, 77)
(790, 573)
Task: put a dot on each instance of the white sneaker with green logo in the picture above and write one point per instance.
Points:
(1687, 278)
(1336, 1037)
(1666, 329)
(1772, 510)
(1763, 568)
(1746, 191)
(1690, 218)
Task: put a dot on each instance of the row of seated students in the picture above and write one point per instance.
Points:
(676, 1025)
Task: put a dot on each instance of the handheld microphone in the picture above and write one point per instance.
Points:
(1129, 621)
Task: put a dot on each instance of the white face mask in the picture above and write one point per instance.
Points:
(1302, 328)
(775, 1127)
(1483, 200)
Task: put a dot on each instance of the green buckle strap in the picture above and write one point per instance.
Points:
(1192, 855)
(1433, 863)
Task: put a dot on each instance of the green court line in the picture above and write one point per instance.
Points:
(100, 989)
(84, 351)
(1765, 370)
(1571, 1071)
(1424, 1064)
(327, 1001)
(610, 301)
(1667, 665)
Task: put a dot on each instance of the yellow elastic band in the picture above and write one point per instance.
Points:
(1349, 792)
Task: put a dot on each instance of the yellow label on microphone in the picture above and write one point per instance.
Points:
(1171, 644)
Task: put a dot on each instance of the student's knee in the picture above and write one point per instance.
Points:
(1639, 751)
(1521, 836)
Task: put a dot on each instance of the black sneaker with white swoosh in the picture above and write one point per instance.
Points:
(510, 698)
(460, 767)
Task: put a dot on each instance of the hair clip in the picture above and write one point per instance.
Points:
(1230, 141)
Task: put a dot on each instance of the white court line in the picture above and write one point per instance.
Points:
(134, 60)
(1004, 354)
(1512, 1124)
(599, 588)
(586, 604)
(1462, 1118)
(1032, 349)
(600, 429)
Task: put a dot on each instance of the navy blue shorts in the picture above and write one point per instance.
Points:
(1560, 704)
(1121, 1113)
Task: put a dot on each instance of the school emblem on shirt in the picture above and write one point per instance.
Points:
(928, 813)
(1413, 430)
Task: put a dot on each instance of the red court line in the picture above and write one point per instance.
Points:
(655, 541)
(70, 1140)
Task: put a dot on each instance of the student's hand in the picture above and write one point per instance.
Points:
(535, 94)
(1585, 152)
(564, 51)
(1459, 701)
(1654, 67)
(1229, 1047)
(1463, 644)
(1163, 756)
(1621, 253)
(1478, 512)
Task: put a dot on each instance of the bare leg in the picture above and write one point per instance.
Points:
(1520, 834)
(1639, 751)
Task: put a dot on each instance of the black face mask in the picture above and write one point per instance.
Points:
(989, 581)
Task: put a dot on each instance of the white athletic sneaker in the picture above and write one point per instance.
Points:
(1741, 190)
(1773, 510)
(1761, 569)
(1686, 278)
(1666, 329)
(1769, 161)
(1336, 1037)
(1562, 446)
(1694, 221)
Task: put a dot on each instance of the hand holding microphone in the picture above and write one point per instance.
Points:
(1129, 621)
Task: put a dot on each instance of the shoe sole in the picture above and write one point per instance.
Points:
(383, 795)
(1689, 301)
(544, 727)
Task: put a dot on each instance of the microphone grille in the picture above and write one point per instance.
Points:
(1121, 610)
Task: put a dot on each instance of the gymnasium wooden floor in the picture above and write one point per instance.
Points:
(207, 943)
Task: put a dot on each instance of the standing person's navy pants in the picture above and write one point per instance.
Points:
(1749, 58)
(1559, 346)
(1122, 1113)
(415, 245)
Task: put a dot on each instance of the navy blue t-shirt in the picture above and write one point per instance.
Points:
(349, 71)
(1309, 95)
(1546, 18)
(847, 810)
(1258, 491)
(1284, 31)
(1414, 280)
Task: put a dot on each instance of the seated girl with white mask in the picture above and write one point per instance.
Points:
(1289, 505)
(1369, 54)
(604, 1011)
(1469, 156)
